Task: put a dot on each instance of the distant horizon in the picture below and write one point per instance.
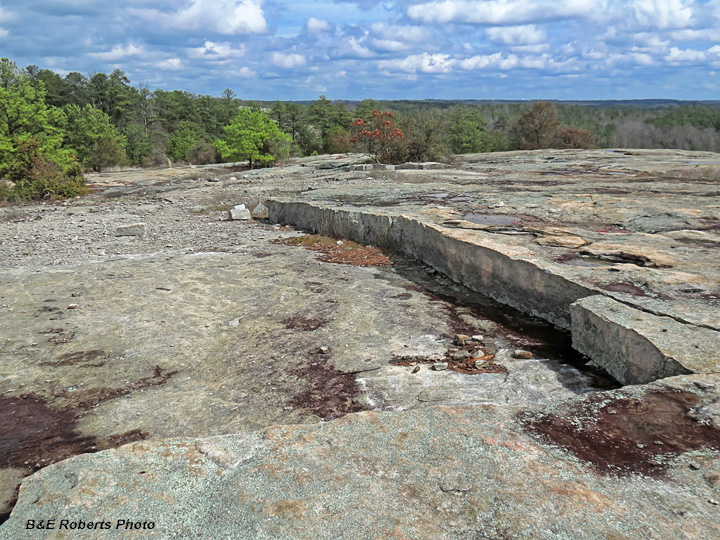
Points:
(560, 50)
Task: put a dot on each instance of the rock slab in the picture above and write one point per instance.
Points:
(136, 229)
(636, 347)
(439, 473)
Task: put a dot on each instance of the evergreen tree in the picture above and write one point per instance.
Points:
(249, 137)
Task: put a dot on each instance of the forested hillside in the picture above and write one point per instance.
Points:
(53, 127)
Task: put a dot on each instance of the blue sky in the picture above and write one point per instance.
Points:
(402, 49)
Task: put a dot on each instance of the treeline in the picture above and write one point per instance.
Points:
(627, 124)
(52, 128)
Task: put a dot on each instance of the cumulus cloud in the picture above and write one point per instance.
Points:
(500, 12)
(650, 42)
(677, 55)
(708, 34)
(171, 64)
(226, 17)
(489, 61)
(424, 63)
(412, 34)
(244, 72)
(288, 61)
(528, 34)
(395, 38)
(317, 26)
(390, 45)
(663, 13)
(355, 47)
(531, 49)
(119, 52)
(217, 51)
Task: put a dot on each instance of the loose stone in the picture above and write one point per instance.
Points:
(136, 229)
(239, 212)
(460, 339)
(519, 353)
(439, 366)
(260, 212)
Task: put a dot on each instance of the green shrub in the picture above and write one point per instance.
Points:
(38, 177)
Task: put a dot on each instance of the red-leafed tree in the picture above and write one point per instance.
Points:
(378, 136)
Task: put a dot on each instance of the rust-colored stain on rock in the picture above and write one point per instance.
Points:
(33, 435)
(300, 322)
(340, 252)
(331, 392)
(627, 435)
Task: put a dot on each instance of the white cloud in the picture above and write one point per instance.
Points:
(217, 51)
(226, 17)
(390, 45)
(593, 54)
(119, 52)
(358, 49)
(394, 38)
(499, 61)
(663, 13)
(413, 34)
(424, 63)
(288, 61)
(243, 72)
(650, 42)
(496, 60)
(709, 34)
(642, 58)
(3, 33)
(497, 12)
(531, 49)
(171, 64)
(685, 55)
(317, 26)
(516, 35)
(6, 15)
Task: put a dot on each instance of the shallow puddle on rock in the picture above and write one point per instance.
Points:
(492, 219)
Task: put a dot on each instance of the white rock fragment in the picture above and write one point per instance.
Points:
(239, 212)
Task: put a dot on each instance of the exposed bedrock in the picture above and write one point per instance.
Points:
(505, 273)
(637, 347)
(633, 345)
(440, 473)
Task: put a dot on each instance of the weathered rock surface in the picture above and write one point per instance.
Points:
(436, 473)
(136, 229)
(592, 234)
(638, 347)
(207, 327)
